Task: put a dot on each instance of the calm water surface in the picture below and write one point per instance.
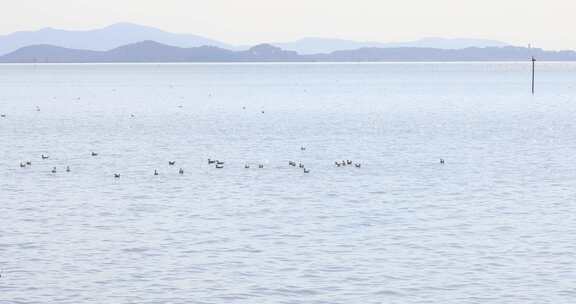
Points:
(495, 224)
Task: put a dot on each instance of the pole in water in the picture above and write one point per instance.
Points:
(533, 66)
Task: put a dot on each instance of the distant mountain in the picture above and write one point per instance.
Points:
(102, 39)
(150, 51)
(120, 34)
(147, 51)
(324, 45)
(417, 54)
(49, 54)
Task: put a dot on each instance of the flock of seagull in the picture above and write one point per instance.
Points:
(217, 164)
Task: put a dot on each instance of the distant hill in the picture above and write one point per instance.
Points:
(508, 53)
(325, 45)
(101, 39)
(121, 34)
(150, 51)
(147, 51)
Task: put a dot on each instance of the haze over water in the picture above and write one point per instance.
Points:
(495, 224)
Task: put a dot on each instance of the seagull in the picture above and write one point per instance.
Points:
(442, 161)
(116, 175)
(303, 148)
(28, 163)
(94, 154)
(3, 115)
(45, 156)
(246, 166)
(358, 165)
(171, 163)
(261, 166)
(291, 163)
(22, 165)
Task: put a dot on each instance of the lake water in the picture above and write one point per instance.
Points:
(495, 224)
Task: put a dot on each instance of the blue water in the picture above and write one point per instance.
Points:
(494, 224)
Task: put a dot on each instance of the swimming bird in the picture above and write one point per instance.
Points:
(94, 153)
(45, 156)
(22, 165)
(219, 166)
(300, 165)
(53, 170)
(181, 171)
(442, 161)
(291, 163)
(67, 168)
(246, 166)
(348, 162)
(306, 170)
(3, 115)
(211, 161)
(116, 175)
(155, 172)
(28, 163)
(358, 165)
(303, 148)
(219, 162)
(171, 163)
(261, 166)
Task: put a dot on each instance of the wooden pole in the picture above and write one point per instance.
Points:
(533, 67)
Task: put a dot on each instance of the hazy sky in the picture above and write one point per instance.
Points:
(545, 23)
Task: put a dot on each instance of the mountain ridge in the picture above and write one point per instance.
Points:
(314, 45)
(101, 39)
(119, 34)
(151, 51)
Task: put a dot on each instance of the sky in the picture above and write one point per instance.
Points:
(543, 23)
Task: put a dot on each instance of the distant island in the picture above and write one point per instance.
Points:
(125, 42)
(150, 51)
(120, 34)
